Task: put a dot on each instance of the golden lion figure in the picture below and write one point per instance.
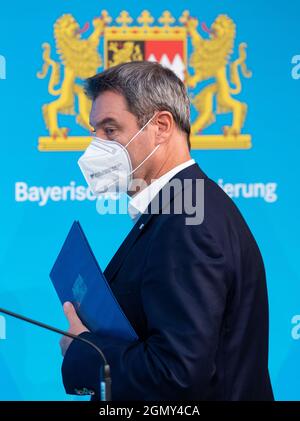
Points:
(128, 51)
(81, 60)
(209, 60)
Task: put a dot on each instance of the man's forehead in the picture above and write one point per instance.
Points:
(105, 116)
(108, 106)
(109, 100)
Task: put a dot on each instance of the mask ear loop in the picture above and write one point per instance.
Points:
(114, 182)
(140, 131)
(154, 150)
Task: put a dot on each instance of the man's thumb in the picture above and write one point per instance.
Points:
(70, 313)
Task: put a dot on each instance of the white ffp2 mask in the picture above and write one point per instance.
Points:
(107, 167)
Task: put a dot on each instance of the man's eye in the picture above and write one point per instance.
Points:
(109, 131)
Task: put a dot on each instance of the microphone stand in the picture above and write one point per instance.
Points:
(105, 384)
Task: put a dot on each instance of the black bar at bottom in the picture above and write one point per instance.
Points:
(134, 409)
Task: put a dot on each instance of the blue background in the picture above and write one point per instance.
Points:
(31, 235)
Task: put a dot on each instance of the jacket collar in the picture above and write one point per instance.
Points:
(160, 201)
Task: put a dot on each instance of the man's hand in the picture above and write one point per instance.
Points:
(75, 326)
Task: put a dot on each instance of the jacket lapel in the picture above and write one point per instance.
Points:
(120, 255)
(160, 201)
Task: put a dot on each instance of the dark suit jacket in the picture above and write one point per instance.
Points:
(196, 296)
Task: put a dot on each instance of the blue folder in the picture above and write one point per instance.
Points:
(77, 277)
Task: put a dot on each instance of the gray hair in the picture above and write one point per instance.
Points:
(148, 87)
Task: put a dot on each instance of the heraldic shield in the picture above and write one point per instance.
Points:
(198, 54)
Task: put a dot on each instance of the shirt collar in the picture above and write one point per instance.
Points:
(139, 203)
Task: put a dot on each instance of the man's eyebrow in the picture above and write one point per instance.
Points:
(107, 120)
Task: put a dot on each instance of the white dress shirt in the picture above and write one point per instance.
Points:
(140, 201)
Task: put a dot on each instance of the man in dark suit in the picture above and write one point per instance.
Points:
(193, 289)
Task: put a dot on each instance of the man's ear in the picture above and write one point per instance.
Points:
(164, 122)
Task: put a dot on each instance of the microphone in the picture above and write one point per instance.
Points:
(105, 384)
